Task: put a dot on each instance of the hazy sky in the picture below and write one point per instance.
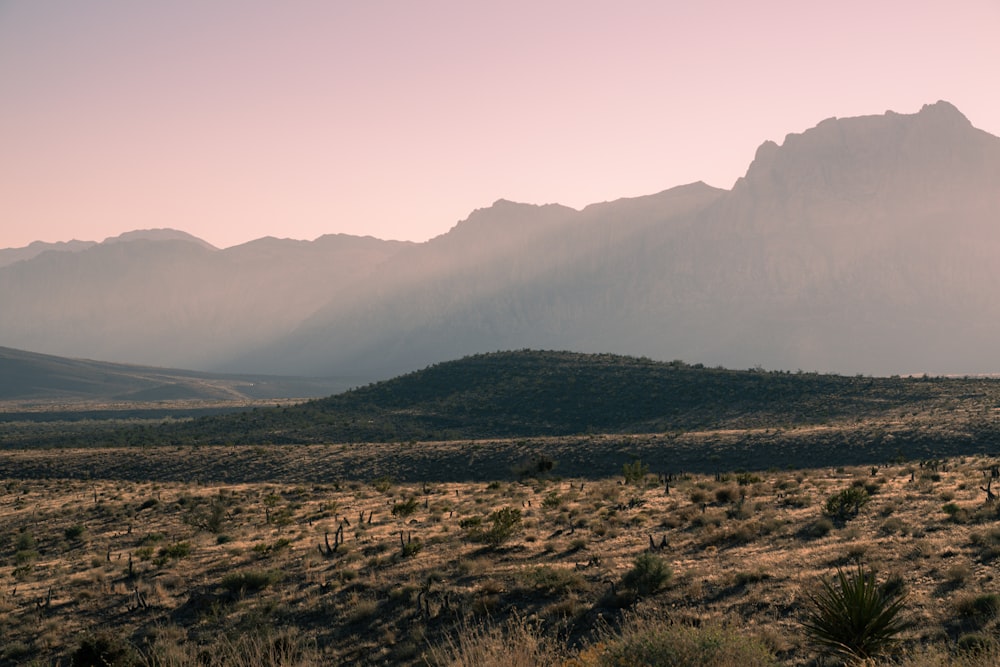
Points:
(236, 119)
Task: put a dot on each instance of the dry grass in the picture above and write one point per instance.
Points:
(172, 568)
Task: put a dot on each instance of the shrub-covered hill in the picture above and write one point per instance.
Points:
(532, 393)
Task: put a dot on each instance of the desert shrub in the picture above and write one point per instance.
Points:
(148, 503)
(104, 649)
(635, 472)
(275, 649)
(846, 504)
(957, 574)
(740, 511)
(412, 548)
(984, 606)
(894, 586)
(250, 580)
(988, 538)
(727, 494)
(552, 580)
(537, 466)
(970, 652)
(264, 548)
(855, 619)
(17, 652)
(956, 513)
(25, 541)
(649, 574)
(976, 643)
(796, 500)
(75, 533)
(747, 577)
(144, 553)
(871, 486)
(552, 501)
(25, 557)
(988, 544)
(517, 643)
(382, 484)
(505, 523)
(176, 551)
(819, 528)
(698, 496)
(405, 509)
(894, 525)
(643, 642)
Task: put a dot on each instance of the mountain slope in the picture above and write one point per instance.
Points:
(509, 276)
(27, 376)
(862, 245)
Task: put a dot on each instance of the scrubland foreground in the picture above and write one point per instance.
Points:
(640, 569)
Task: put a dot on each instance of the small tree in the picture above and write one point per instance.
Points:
(846, 504)
(635, 472)
(506, 522)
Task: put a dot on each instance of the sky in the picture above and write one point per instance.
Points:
(237, 119)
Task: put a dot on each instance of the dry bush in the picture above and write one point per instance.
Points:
(643, 641)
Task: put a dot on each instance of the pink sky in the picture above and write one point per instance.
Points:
(236, 119)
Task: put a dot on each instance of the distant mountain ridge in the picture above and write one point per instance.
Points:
(862, 245)
(11, 255)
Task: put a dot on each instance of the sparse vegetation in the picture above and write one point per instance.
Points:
(566, 551)
(314, 553)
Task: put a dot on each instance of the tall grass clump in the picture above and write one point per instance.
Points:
(285, 648)
(516, 643)
(854, 619)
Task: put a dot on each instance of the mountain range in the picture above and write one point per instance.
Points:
(863, 245)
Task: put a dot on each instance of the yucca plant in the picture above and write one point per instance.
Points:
(846, 504)
(856, 619)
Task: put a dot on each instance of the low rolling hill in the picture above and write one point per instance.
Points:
(494, 414)
(542, 394)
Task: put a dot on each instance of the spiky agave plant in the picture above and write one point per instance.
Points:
(856, 619)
